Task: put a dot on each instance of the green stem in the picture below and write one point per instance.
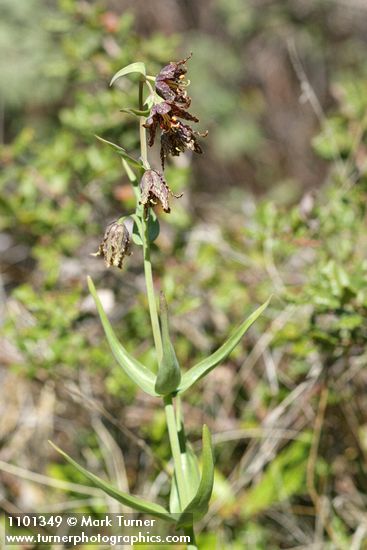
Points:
(151, 296)
(172, 424)
(147, 263)
(181, 430)
(179, 414)
(176, 452)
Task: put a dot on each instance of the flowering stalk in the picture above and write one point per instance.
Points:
(163, 110)
(168, 402)
(145, 237)
(172, 424)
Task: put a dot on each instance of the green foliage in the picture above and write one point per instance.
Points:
(137, 67)
(206, 365)
(48, 331)
(169, 372)
(56, 180)
(24, 62)
(58, 186)
(284, 478)
(192, 477)
(142, 376)
(134, 502)
(199, 504)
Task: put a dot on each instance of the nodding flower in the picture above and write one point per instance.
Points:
(175, 135)
(170, 83)
(154, 190)
(164, 115)
(180, 137)
(115, 245)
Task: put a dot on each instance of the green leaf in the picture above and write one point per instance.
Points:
(338, 278)
(206, 365)
(134, 502)
(130, 174)
(137, 67)
(136, 236)
(136, 112)
(191, 474)
(143, 377)
(120, 151)
(137, 230)
(153, 227)
(200, 503)
(340, 145)
(153, 230)
(169, 373)
(284, 477)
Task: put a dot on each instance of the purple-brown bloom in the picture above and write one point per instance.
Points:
(176, 136)
(180, 137)
(154, 190)
(171, 85)
(164, 115)
(115, 245)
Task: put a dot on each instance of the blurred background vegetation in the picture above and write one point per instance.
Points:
(277, 204)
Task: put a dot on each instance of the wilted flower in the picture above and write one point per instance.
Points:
(115, 245)
(176, 136)
(165, 116)
(154, 190)
(180, 137)
(170, 83)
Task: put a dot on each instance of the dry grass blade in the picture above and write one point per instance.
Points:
(49, 481)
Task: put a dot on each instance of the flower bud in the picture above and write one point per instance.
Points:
(115, 245)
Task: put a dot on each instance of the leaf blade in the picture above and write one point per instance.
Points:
(200, 503)
(206, 365)
(169, 372)
(129, 172)
(136, 112)
(143, 377)
(191, 474)
(121, 151)
(137, 67)
(137, 503)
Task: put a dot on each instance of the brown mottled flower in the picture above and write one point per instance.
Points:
(178, 138)
(164, 115)
(175, 135)
(170, 83)
(115, 245)
(154, 190)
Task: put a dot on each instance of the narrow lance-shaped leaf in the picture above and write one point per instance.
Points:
(169, 373)
(120, 151)
(136, 112)
(153, 227)
(200, 503)
(130, 174)
(137, 67)
(134, 502)
(191, 475)
(138, 373)
(190, 466)
(206, 365)
(137, 227)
